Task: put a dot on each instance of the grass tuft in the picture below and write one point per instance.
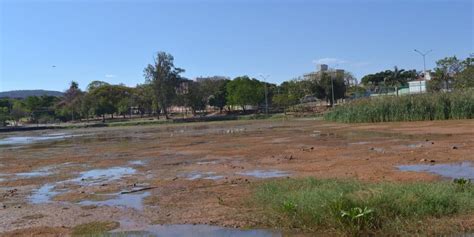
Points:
(97, 228)
(358, 208)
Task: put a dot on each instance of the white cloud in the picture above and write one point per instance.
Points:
(110, 75)
(330, 61)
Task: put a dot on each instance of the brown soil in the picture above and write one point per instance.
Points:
(304, 148)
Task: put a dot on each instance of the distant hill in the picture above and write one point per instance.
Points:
(25, 93)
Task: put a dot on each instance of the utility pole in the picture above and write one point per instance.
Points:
(264, 77)
(424, 58)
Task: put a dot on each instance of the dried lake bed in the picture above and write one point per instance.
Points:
(197, 178)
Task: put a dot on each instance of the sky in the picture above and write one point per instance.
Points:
(113, 41)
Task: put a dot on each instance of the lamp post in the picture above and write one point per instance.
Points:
(264, 77)
(424, 58)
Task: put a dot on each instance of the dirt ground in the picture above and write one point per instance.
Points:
(200, 173)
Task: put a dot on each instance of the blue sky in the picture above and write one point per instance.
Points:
(114, 40)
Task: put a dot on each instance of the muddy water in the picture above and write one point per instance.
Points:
(23, 140)
(43, 195)
(98, 175)
(264, 174)
(201, 175)
(47, 192)
(454, 170)
(131, 200)
(196, 231)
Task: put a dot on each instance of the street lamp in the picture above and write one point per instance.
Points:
(424, 58)
(264, 77)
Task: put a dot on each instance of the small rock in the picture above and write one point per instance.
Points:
(432, 161)
(454, 147)
(423, 160)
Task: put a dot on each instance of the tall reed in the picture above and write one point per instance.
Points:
(428, 106)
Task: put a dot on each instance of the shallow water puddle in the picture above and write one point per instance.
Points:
(188, 230)
(137, 162)
(421, 144)
(22, 140)
(207, 162)
(130, 200)
(455, 170)
(43, 195)
(264, 174)
(202, 175)
(98, 175)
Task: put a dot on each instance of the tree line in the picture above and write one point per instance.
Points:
(449, 73)
(165, 88)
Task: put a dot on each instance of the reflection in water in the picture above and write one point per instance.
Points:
(455, 170)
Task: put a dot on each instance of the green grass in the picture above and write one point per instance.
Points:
(98, 228)
(357, 208)
(428, 106)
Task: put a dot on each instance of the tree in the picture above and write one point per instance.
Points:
(18, 111)
(106, 98)
(71, 102)
(143, 97)
(244, 91)
(398, 78)
(381, 81)
(465, 79)
(216, 92)
(164, 77)
(194, 97)
(95, 84)
(124, 106)
(327, 83)
(356, 91)
(5, 108)
(289, 93)
(445, 71)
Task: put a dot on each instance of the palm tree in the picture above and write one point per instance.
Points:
(394, 79)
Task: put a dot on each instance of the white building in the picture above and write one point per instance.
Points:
(418, 86)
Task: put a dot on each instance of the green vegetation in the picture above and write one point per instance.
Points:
(388, 78)
(166, 92)
(243, 91)
(357, 208)
(431, 106)
(94, 228)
